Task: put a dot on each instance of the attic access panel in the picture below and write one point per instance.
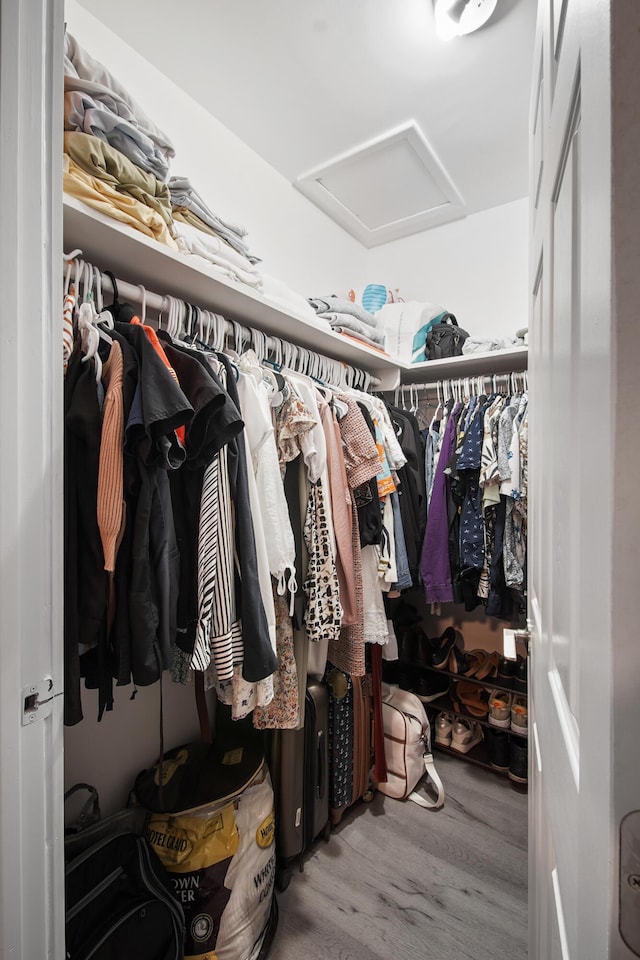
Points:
(385, 189)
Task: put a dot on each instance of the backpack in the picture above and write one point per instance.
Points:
(407, 747)
(119, 898)
(445, 339)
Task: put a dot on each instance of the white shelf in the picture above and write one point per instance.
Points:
(138, 259)
(474, 365)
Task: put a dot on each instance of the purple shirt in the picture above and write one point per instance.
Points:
(434, 564)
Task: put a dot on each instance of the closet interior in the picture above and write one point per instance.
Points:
(268, 518)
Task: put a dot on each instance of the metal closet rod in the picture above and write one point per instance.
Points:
(294, 354)
(464, 386)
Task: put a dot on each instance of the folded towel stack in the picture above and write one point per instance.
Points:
(350, 319)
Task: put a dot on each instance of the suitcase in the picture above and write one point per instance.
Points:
(350, 740)
(298, 760)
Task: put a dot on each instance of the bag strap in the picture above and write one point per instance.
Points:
(449, 318)
(90, 812)
(433, 350)
(432, 773)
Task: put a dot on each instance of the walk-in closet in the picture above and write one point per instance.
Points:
(318, 523)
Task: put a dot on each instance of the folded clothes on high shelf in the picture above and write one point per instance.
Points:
(489, 344)
(189, 207)
(98, 104)
(349, 318)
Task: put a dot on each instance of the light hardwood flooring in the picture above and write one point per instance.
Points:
(398, 882)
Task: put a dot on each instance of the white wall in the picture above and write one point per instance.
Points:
(297, 243)
(477, 268)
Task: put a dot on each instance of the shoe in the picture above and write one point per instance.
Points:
(498, 743)
(465, 734)
(490, 666)
(442, 648)
(443, 727)
(518, 761)
(476, 660)
(522, 670)
(474, 699)
(519, 716)
(459, 662)
(423, 648)
(506, 671)
(500, 709)
(428, 685)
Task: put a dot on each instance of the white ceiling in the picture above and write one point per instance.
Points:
(306, 81)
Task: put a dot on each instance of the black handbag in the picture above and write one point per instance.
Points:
(445, 339)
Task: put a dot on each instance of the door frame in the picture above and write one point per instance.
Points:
(31, 505)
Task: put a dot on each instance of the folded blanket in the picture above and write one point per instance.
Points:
(184, 215)
(188, 202)
(485, 345)
(103, 161)
(353, 325)
(87, 75)
(83, 113)
(225, 273)
(338, 305)
(216, 251)
(121, 206)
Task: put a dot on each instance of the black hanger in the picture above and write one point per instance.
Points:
(115, 302)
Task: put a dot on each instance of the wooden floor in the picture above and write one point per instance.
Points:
(398, 882)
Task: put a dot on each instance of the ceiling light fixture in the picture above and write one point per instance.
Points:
(456, 18)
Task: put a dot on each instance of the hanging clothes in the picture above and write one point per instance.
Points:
(435, 567)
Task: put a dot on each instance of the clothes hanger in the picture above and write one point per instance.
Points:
(115, 303)
(220, 331)
(203, 324)
(143, 301)
(163, 307)
(170, 327)
(104, 317)
(89, 338)
(72, 260)
(90, 316)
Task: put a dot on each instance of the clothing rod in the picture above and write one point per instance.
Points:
(487, 378)
(138, 294)
(515, 380)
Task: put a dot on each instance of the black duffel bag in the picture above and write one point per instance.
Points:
(445, 339)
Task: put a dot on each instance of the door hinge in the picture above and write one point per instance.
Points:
(37, 700)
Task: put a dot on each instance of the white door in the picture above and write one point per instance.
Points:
(584, 514)
(31, 876)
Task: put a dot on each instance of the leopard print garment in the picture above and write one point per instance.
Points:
(324, 612)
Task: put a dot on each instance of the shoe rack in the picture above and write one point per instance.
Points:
(442, 673)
